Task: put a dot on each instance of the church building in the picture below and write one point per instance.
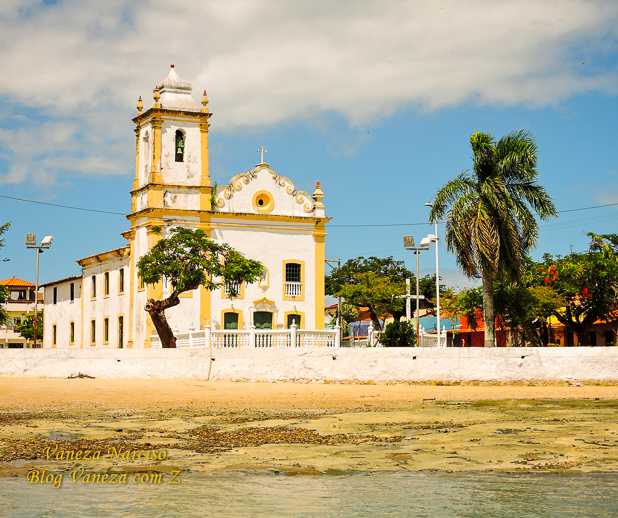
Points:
(260, 213)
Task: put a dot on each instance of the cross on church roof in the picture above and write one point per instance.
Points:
(262, 151)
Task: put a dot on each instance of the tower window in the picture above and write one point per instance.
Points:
(180, 146)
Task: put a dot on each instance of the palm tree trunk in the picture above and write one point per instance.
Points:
(488, 309)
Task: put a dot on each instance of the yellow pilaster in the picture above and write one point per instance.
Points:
(155, 196)
(136, 179)
(155, 172)
(320, 255)
(153, 291)
(132, 286)
(205, 172)
(205, 295)
(81, 341)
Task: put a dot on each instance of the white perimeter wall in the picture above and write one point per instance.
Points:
(321, 365)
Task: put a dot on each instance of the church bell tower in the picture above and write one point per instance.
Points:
(172, 182)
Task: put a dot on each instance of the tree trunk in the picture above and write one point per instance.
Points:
(156, 310)
(580, 328)
(488, 309)
(374, 317)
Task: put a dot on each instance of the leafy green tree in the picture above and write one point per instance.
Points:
(392, 275)
(26, 328)
(189, 259)
(379, 294)
(588, 283)
(398, 334)
(522, 311)
(490, 225)
(4, 297)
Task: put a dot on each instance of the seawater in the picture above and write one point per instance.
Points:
(365, 495)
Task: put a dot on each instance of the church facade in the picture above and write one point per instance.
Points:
(259, 213)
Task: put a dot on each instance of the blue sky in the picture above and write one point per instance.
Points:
(376, 99)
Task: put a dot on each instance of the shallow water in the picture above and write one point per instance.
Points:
(365, 495)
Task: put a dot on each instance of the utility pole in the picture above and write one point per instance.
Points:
(45, 244)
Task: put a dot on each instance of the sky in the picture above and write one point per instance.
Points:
(375, 99)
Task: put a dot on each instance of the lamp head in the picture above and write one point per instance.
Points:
(47, 241)
(426, 242)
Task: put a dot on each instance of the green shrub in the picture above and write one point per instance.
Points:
(399, 334)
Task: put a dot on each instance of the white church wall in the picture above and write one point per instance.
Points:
(189, 171)
(104, 305)
(62, 314)
(145, 156)
(181, 199)
(270, 246)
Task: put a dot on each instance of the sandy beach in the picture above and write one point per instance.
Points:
(303, 428)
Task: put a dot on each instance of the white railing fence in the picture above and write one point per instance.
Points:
(424, 339)
(255, 338)
(431, 340)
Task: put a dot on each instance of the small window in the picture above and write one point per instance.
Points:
(72, 291)
(121, 280)
(230, 321)
(106, 283)
(94, 286)
(263, 282)
(120, 331)
(72, 332)
(292, 272)
(105, 330)
(180, 146)
(93, 332)
(54, 334)
(232, 287)
(55, 295)
(17, 321)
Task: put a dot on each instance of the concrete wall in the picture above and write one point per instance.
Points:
(321, 365)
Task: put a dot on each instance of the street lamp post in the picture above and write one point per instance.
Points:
(408, 243)
(435, 238)
(45, 244)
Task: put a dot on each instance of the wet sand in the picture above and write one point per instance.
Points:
(304, 428)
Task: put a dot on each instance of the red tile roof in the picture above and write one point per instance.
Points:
(17, 283)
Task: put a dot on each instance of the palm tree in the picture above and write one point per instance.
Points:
(490, 223)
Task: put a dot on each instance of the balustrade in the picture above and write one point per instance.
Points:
(262, 338)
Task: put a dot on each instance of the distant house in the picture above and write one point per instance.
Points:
(603, 332)
(19, 306)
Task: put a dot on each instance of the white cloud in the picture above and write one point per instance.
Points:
(84, 63)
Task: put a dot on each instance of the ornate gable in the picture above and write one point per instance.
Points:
(262, 191)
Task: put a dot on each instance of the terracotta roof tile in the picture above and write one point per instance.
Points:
(18, 283)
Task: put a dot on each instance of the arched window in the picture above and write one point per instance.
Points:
(180, 146)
